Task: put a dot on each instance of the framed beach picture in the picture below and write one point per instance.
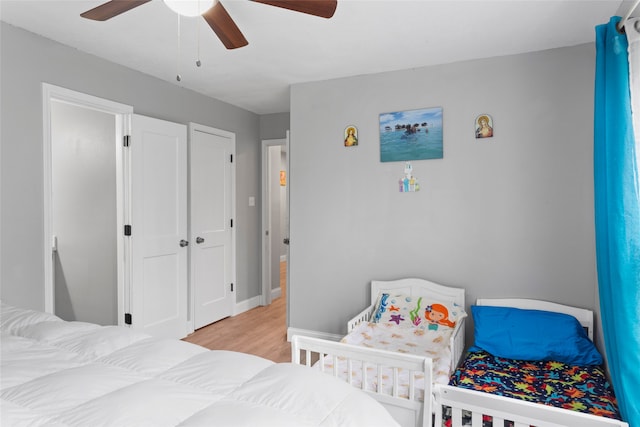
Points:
(411, 135)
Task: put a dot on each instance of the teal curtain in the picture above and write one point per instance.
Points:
(617, 218)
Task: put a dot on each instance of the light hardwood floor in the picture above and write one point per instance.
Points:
(261, 331)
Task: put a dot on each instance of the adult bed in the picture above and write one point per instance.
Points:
(55, 373)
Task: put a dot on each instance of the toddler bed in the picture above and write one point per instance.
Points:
(61, 374)
(532, 363)
(411, 336)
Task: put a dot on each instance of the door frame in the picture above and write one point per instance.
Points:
(122, 113)
(266, 216)
(195, 127)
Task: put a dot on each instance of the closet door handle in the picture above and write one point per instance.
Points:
(183, 243)
(199, 240)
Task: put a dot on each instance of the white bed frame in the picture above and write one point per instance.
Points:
(413, 286)
(407, 411)
(522, 413)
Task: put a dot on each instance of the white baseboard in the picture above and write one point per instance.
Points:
(314, 334)
(246, 305)
(254, 302)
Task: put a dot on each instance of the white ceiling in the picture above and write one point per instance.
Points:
(363, 37)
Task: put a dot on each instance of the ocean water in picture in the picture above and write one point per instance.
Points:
(411, 135)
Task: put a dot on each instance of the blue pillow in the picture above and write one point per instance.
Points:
(514, 333)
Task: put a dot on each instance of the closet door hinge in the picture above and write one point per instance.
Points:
(232, 223)
(127, 140)
(232, 287)
(127, 318)
(127, 230)
(231, 158)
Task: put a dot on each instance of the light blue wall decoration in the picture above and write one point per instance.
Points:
(408, 183)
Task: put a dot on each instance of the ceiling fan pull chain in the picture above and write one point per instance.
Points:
(178, 76)
(198, 63)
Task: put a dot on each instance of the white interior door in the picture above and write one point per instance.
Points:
(211, 214)
(158, 164)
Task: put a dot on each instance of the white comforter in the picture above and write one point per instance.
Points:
(57, 373)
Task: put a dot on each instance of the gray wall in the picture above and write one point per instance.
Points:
(274, 126)
(27, 61)
(510, 216)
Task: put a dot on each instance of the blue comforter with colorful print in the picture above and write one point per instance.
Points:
(578, 388)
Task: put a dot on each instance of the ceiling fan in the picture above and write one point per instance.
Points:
(216, 16)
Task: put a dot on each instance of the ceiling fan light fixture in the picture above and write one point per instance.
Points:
(189, 7)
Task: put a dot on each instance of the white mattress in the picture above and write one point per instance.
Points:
(57, 373)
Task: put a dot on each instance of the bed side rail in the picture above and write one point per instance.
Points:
(308, 351)
(363, 316)
(520, 412)
(457, 343)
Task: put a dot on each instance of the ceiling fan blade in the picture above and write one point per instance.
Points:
(112, 8)
(321, 8)
(222, 24)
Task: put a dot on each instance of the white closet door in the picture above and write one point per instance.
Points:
(211, 201)
(158, 154)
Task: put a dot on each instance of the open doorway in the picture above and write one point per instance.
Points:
(83, 206)
(83, 196)
(275, 219)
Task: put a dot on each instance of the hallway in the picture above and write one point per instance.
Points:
(261, 331)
